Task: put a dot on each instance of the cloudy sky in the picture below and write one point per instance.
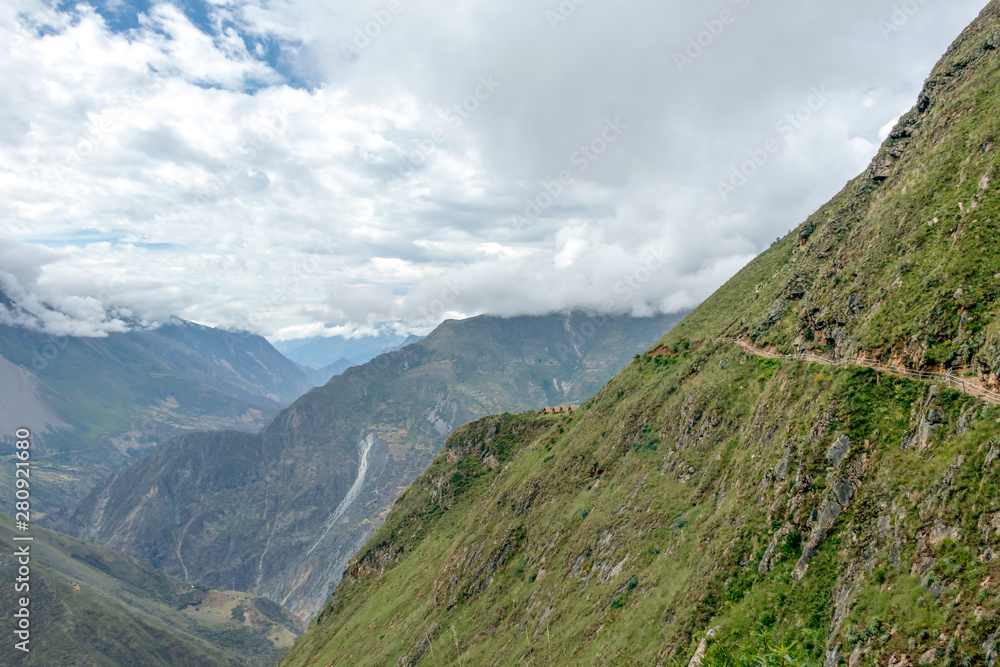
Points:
(282, 165)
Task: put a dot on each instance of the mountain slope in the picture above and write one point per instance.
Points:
(280, 513)
(850, 512)
(93, 606)
(97, 403)
(238, 364)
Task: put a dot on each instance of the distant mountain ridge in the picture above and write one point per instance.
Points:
(238, 364)
(279, 513)
(97, 403)
(320, 376)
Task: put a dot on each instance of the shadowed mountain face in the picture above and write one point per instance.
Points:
(279, 513)
(850, 514)
(95, 404)
(90, 605)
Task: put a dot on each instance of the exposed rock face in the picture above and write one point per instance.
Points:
(702, 649)
(279, 514)
(842, 488)
(838, 451)
(21, 394)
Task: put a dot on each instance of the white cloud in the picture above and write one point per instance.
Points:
(175, 172)
(36, 305)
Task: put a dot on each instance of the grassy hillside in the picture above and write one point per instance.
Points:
(94, 606)
(851, 514)
(620, 534)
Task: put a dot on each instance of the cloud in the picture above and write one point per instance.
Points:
(32, 304)
(234, 164)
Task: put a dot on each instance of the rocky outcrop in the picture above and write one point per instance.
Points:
(702, 649)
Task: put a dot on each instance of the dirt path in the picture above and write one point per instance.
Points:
(970, 386)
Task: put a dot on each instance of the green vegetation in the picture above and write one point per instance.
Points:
(902, 269)
(637, 553)
(760, 652)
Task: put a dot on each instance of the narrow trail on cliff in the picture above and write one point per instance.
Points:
(970, 386)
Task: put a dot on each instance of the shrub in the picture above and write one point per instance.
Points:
(761, 652)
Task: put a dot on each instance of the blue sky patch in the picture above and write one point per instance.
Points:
(123, 16)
